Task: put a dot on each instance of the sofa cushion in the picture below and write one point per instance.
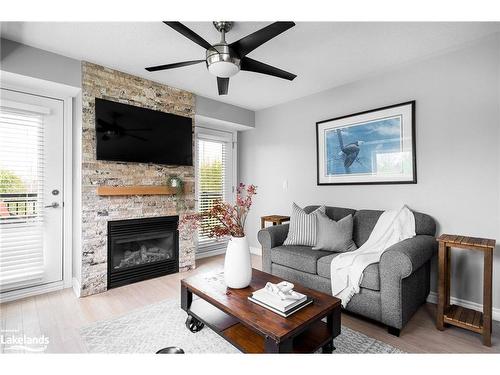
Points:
(324, 265)
(302, 230)
(334, 235)
(302, 258)
(365, 220)
(371, 275)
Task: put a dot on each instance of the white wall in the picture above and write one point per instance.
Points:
(458, 162)
(225, 113)
(37, 63)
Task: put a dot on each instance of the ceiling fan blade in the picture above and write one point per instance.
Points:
(174, 65)
(188, 33)
(250, 42)
(251, 65)
(223, 85)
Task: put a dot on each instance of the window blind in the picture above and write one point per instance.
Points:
(21, 196)
(212, 166)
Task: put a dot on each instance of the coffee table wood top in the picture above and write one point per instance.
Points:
(234, 302)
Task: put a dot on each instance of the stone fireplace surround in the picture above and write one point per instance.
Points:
(101, 82)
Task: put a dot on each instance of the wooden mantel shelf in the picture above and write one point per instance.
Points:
(105, 190)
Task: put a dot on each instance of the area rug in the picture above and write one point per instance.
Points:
(157, 326)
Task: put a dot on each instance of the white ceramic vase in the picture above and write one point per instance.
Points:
(237, 263)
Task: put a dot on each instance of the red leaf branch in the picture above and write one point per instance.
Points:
(231, 218)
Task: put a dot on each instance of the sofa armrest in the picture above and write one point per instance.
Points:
(271, 237)
(405, 257)
(404, 282)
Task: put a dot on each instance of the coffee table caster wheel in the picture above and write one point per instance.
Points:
(193, 324)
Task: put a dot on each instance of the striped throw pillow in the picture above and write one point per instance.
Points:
(302, 229)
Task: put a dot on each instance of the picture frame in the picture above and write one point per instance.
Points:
(367, 148)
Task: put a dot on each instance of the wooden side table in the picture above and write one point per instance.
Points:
(479, 322)
(275, 219)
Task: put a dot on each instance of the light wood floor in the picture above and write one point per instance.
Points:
(60, 315)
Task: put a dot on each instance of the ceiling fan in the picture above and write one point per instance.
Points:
(225, 60)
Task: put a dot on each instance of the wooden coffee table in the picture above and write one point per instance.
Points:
(252, 328)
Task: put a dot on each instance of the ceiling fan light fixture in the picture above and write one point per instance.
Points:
(223, 69)
(221, 62)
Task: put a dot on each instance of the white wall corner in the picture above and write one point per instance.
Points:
(255, 250)
(433, 298)
(76, 287)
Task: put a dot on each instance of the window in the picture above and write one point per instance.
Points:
(214, 177)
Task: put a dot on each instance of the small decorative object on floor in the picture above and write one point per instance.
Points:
(231, 220)
(170, 350)
(275, 219)
(457, 315)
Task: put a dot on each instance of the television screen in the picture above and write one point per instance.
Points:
(128, 133)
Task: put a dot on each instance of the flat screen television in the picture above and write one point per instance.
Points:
(133, 134)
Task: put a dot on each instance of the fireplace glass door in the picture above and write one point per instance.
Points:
(130, 251)
(140, 249)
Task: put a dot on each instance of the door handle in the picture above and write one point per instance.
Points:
(53, 205)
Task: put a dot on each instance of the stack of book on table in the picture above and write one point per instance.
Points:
(284, 307)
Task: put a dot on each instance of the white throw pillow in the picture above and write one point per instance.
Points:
(303, 226)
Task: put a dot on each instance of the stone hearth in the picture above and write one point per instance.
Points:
(101, 82)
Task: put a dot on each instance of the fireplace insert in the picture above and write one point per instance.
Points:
(140, 249)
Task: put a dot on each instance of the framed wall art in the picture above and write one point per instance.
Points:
(371, 147)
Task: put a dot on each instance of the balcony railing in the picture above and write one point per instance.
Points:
(18, 205)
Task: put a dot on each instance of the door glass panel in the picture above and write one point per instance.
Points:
(21, 196)
(31, 171)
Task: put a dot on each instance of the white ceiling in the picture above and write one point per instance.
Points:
(322, 54)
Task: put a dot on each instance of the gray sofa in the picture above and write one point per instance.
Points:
(391, 291)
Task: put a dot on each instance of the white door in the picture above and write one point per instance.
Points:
(31, 195)
(214, 179)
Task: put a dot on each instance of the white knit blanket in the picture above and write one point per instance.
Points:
(347, 268)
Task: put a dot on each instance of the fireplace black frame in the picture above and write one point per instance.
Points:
(120, 229)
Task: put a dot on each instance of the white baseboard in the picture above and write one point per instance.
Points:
(76, 287)
(31, 291)
(433, 298)
(256, 250)
(211, 253)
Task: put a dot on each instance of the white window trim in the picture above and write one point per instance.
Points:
(211, 132)
(66, 94)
